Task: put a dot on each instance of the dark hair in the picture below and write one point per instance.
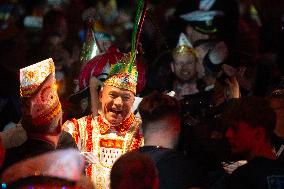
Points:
(133, 170)
(157, 106)
(253, 110)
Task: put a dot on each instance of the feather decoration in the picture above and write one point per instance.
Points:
(139, 19)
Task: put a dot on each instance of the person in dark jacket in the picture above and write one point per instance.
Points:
(161, 130)
(42, 113)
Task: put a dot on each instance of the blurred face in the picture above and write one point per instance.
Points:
(184, 67)
(116, 104)
(241, 137)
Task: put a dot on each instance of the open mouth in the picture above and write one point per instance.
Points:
(116, 111)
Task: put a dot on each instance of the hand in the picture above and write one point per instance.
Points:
(243, 80)
(231, 167)
(232, 88)
(229, 70)
(90, 157)
(95, 83)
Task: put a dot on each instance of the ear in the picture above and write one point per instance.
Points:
(101, 93)
(260, 133)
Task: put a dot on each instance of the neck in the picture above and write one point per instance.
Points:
(184, 88)
(164, 140)
(263, 150)
(49, 138)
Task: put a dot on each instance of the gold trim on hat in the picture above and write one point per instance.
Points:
(183, 49)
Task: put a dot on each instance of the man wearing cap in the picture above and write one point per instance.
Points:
(115, 131)
(199, 20)
(42, 113)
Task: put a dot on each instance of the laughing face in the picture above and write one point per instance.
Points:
(116, 104)
(184, 67)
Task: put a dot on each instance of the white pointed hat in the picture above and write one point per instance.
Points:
(184, 46)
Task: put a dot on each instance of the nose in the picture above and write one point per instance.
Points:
(118, 101)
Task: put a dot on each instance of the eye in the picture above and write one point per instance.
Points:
(112, 95)
(125, 98)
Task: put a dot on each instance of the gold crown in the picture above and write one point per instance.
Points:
(183, 49)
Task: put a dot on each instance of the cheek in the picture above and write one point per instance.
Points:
(177, 69)
(107, 103)
(243, 139)
(127, 106)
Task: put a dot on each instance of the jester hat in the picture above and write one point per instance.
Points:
(124, 74)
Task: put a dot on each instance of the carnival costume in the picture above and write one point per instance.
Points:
(95, 135)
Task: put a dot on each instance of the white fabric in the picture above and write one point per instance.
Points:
(201, 15)
(206, 4)
(184, 41)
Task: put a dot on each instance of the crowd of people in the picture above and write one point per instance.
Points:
(142, 94)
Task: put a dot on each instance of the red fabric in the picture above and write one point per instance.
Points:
(141, 80)
(95, 66)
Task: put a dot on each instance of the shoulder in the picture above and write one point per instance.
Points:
(137, 120)
(175, 165)
(70, 124)
(66, 141)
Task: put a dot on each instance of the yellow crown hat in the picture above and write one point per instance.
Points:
(184, 46)
(32, 76)
(123, 74)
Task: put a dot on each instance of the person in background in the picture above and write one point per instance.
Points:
(186, 68)
(251, 122)
(42, 113)
(134, 170)
(161, 130)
